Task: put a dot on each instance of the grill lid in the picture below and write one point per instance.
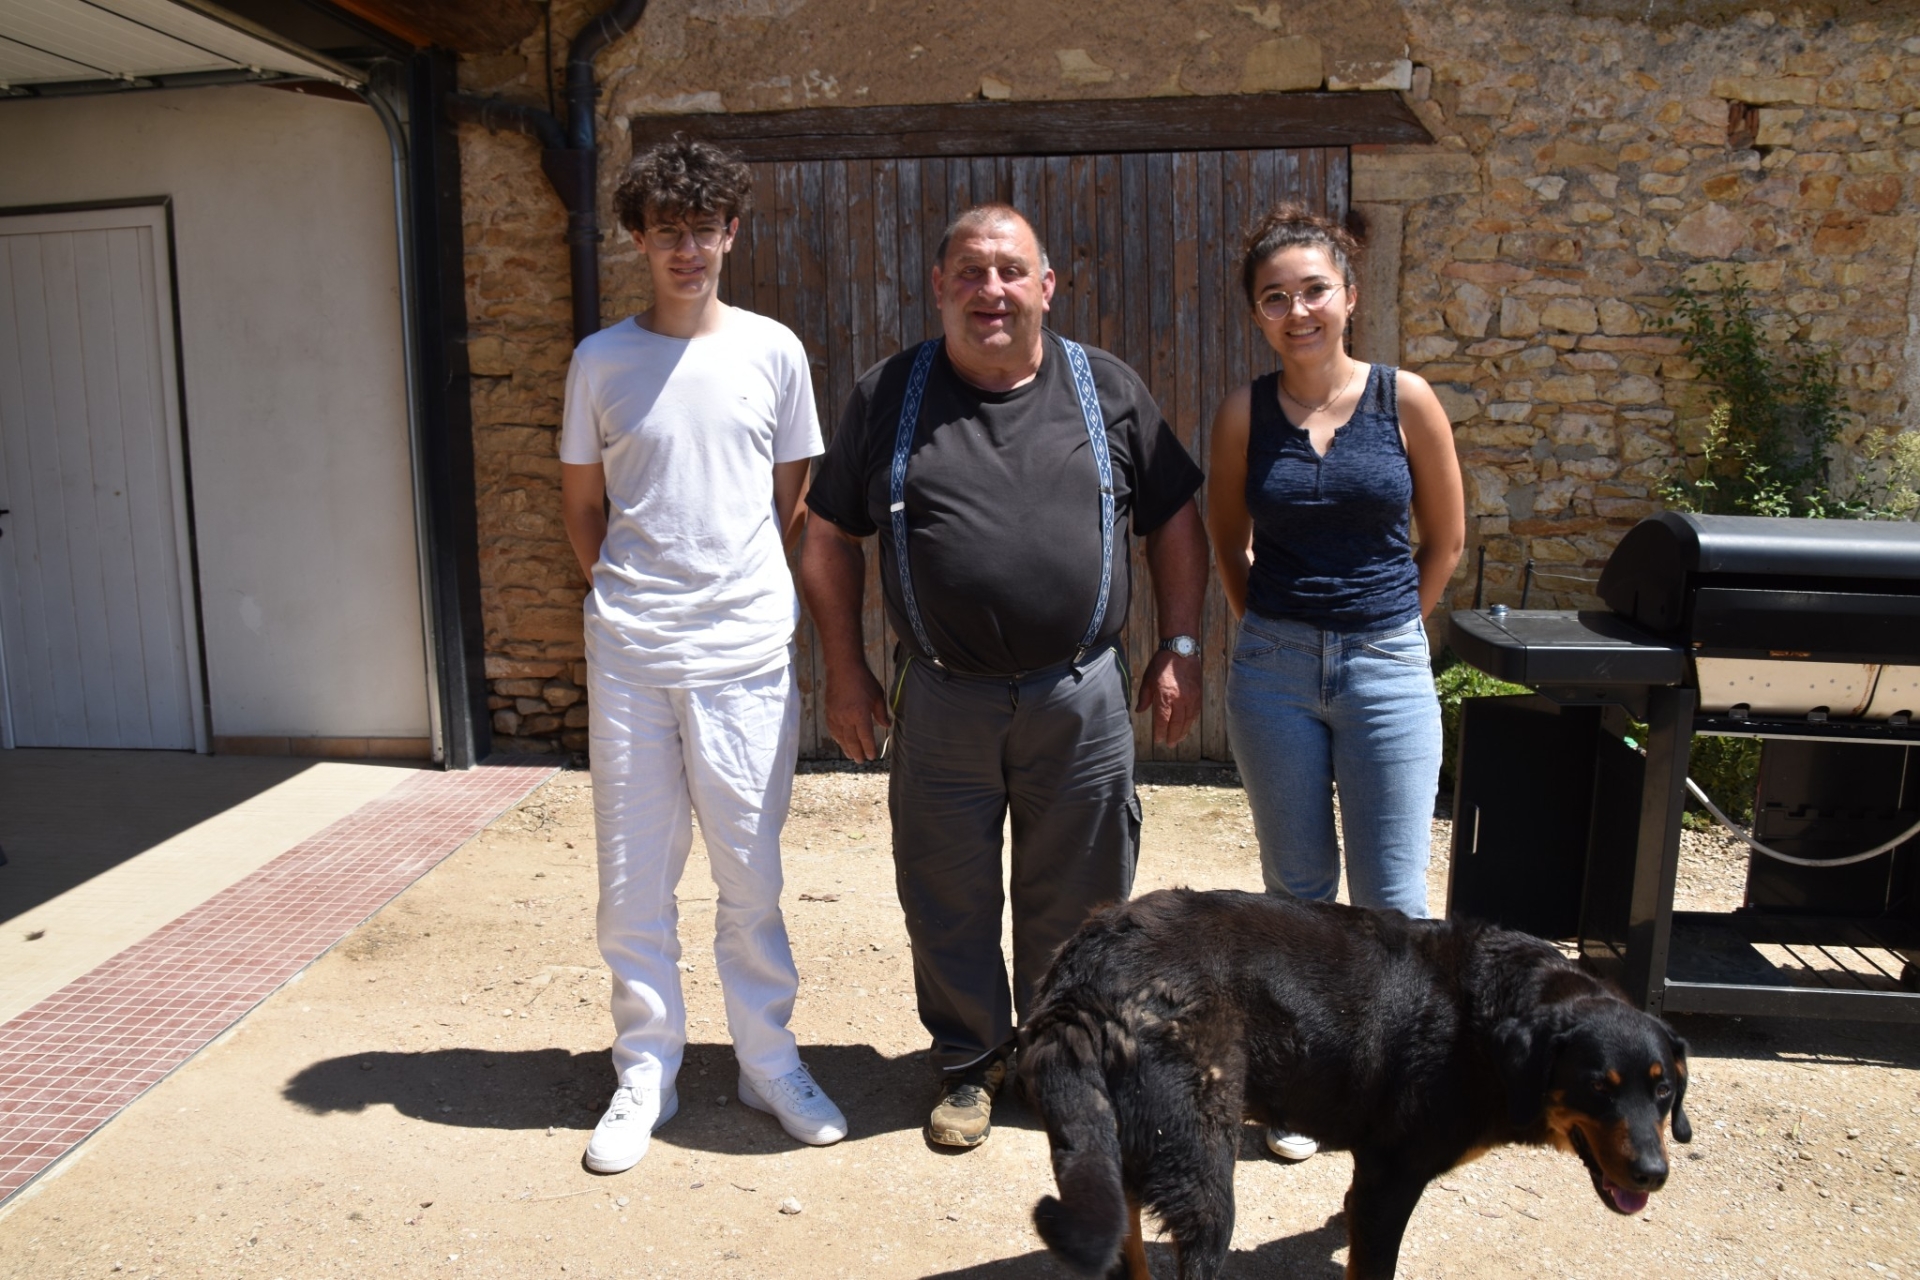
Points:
(1662, 558)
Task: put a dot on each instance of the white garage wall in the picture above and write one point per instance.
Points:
(295, 393)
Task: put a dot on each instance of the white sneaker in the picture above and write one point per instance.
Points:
(801, 1106)
(621, 1137)
(1290, 1146)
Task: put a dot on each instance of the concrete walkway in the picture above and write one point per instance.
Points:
(151, 898)
(104, 847)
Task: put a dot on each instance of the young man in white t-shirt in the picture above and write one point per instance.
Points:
(684, 456)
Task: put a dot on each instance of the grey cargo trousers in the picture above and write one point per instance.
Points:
(1056, 751)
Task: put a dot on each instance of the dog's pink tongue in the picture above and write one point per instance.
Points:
(1624, 1200)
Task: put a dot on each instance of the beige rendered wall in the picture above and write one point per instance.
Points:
(1583, 165)
(290, 338)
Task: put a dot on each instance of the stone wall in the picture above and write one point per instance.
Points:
(517, 307)
(1586, 167)
(1583, 166)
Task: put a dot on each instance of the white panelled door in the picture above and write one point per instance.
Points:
(97, 634)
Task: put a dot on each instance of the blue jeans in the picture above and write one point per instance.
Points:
(1307, 709)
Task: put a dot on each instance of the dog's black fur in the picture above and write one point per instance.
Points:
(1414, 1044)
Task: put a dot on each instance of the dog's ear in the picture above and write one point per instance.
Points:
(1525, 1051)
(1682, 1127)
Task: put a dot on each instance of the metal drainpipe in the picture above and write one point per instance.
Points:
(583, 225)
(568, 156)
(416, 441)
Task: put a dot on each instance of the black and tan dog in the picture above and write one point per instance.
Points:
(1414, 1044)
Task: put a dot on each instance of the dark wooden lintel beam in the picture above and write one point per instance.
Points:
(1221, 123)
(491, 27)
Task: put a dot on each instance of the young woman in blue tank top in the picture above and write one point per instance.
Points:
(1315, 469)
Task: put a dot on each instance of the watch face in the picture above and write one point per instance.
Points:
(1185, 646)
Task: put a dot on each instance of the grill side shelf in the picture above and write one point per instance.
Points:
(1564, 647)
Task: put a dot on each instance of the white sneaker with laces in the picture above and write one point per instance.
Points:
(621, 1137)
(1290, 1146)
(802, 1107)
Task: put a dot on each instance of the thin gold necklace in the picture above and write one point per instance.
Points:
(1353, 367)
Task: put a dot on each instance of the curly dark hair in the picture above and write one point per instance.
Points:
(680, 177)
(1291, 226)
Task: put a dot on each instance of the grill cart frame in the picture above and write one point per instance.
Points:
(1567, 815)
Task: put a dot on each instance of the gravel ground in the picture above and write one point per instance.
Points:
(1713, 872)
(417, 1103)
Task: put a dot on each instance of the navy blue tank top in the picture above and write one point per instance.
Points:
(1330, 535)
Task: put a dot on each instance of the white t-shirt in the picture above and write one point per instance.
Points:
(692, 585)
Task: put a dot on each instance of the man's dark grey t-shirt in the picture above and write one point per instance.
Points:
(1003, 503)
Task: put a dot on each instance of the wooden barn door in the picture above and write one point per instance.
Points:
(1145, 247)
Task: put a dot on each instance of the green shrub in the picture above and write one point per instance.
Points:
(1766, 450)
(1882, 482)
(1727, 769)
(1772, 443)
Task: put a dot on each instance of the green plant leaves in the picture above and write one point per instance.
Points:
(1767, 448)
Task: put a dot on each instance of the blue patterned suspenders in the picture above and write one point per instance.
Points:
(1096, 426)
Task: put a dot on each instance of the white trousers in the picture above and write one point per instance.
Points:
(659, 756)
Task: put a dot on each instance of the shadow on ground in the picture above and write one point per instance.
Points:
(1801, 1041)
(1307, 1256)
(486, 1089)
(68, 816)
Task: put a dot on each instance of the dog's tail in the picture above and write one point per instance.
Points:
(1067, 1083)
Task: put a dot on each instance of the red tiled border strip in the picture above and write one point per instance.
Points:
(73, 1060)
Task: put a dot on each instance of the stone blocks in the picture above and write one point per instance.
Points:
(1390, 73)
(1603, 195)
(1416, 175)
(1282, 64)
(1803, 90)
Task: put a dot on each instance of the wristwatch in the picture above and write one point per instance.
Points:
(1184, 646)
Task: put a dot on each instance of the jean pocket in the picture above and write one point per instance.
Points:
(1407, 647)
(898, 694)
(1252, 641)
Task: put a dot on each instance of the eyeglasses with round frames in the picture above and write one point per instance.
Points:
(706, 236)
(1278, 304)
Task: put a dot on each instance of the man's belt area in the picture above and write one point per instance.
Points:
(1074, 665)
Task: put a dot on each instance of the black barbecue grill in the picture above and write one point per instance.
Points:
(1804, 633)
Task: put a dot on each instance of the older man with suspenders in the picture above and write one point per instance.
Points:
(1001, 466)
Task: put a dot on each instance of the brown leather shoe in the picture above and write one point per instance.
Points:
(963, 1116)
